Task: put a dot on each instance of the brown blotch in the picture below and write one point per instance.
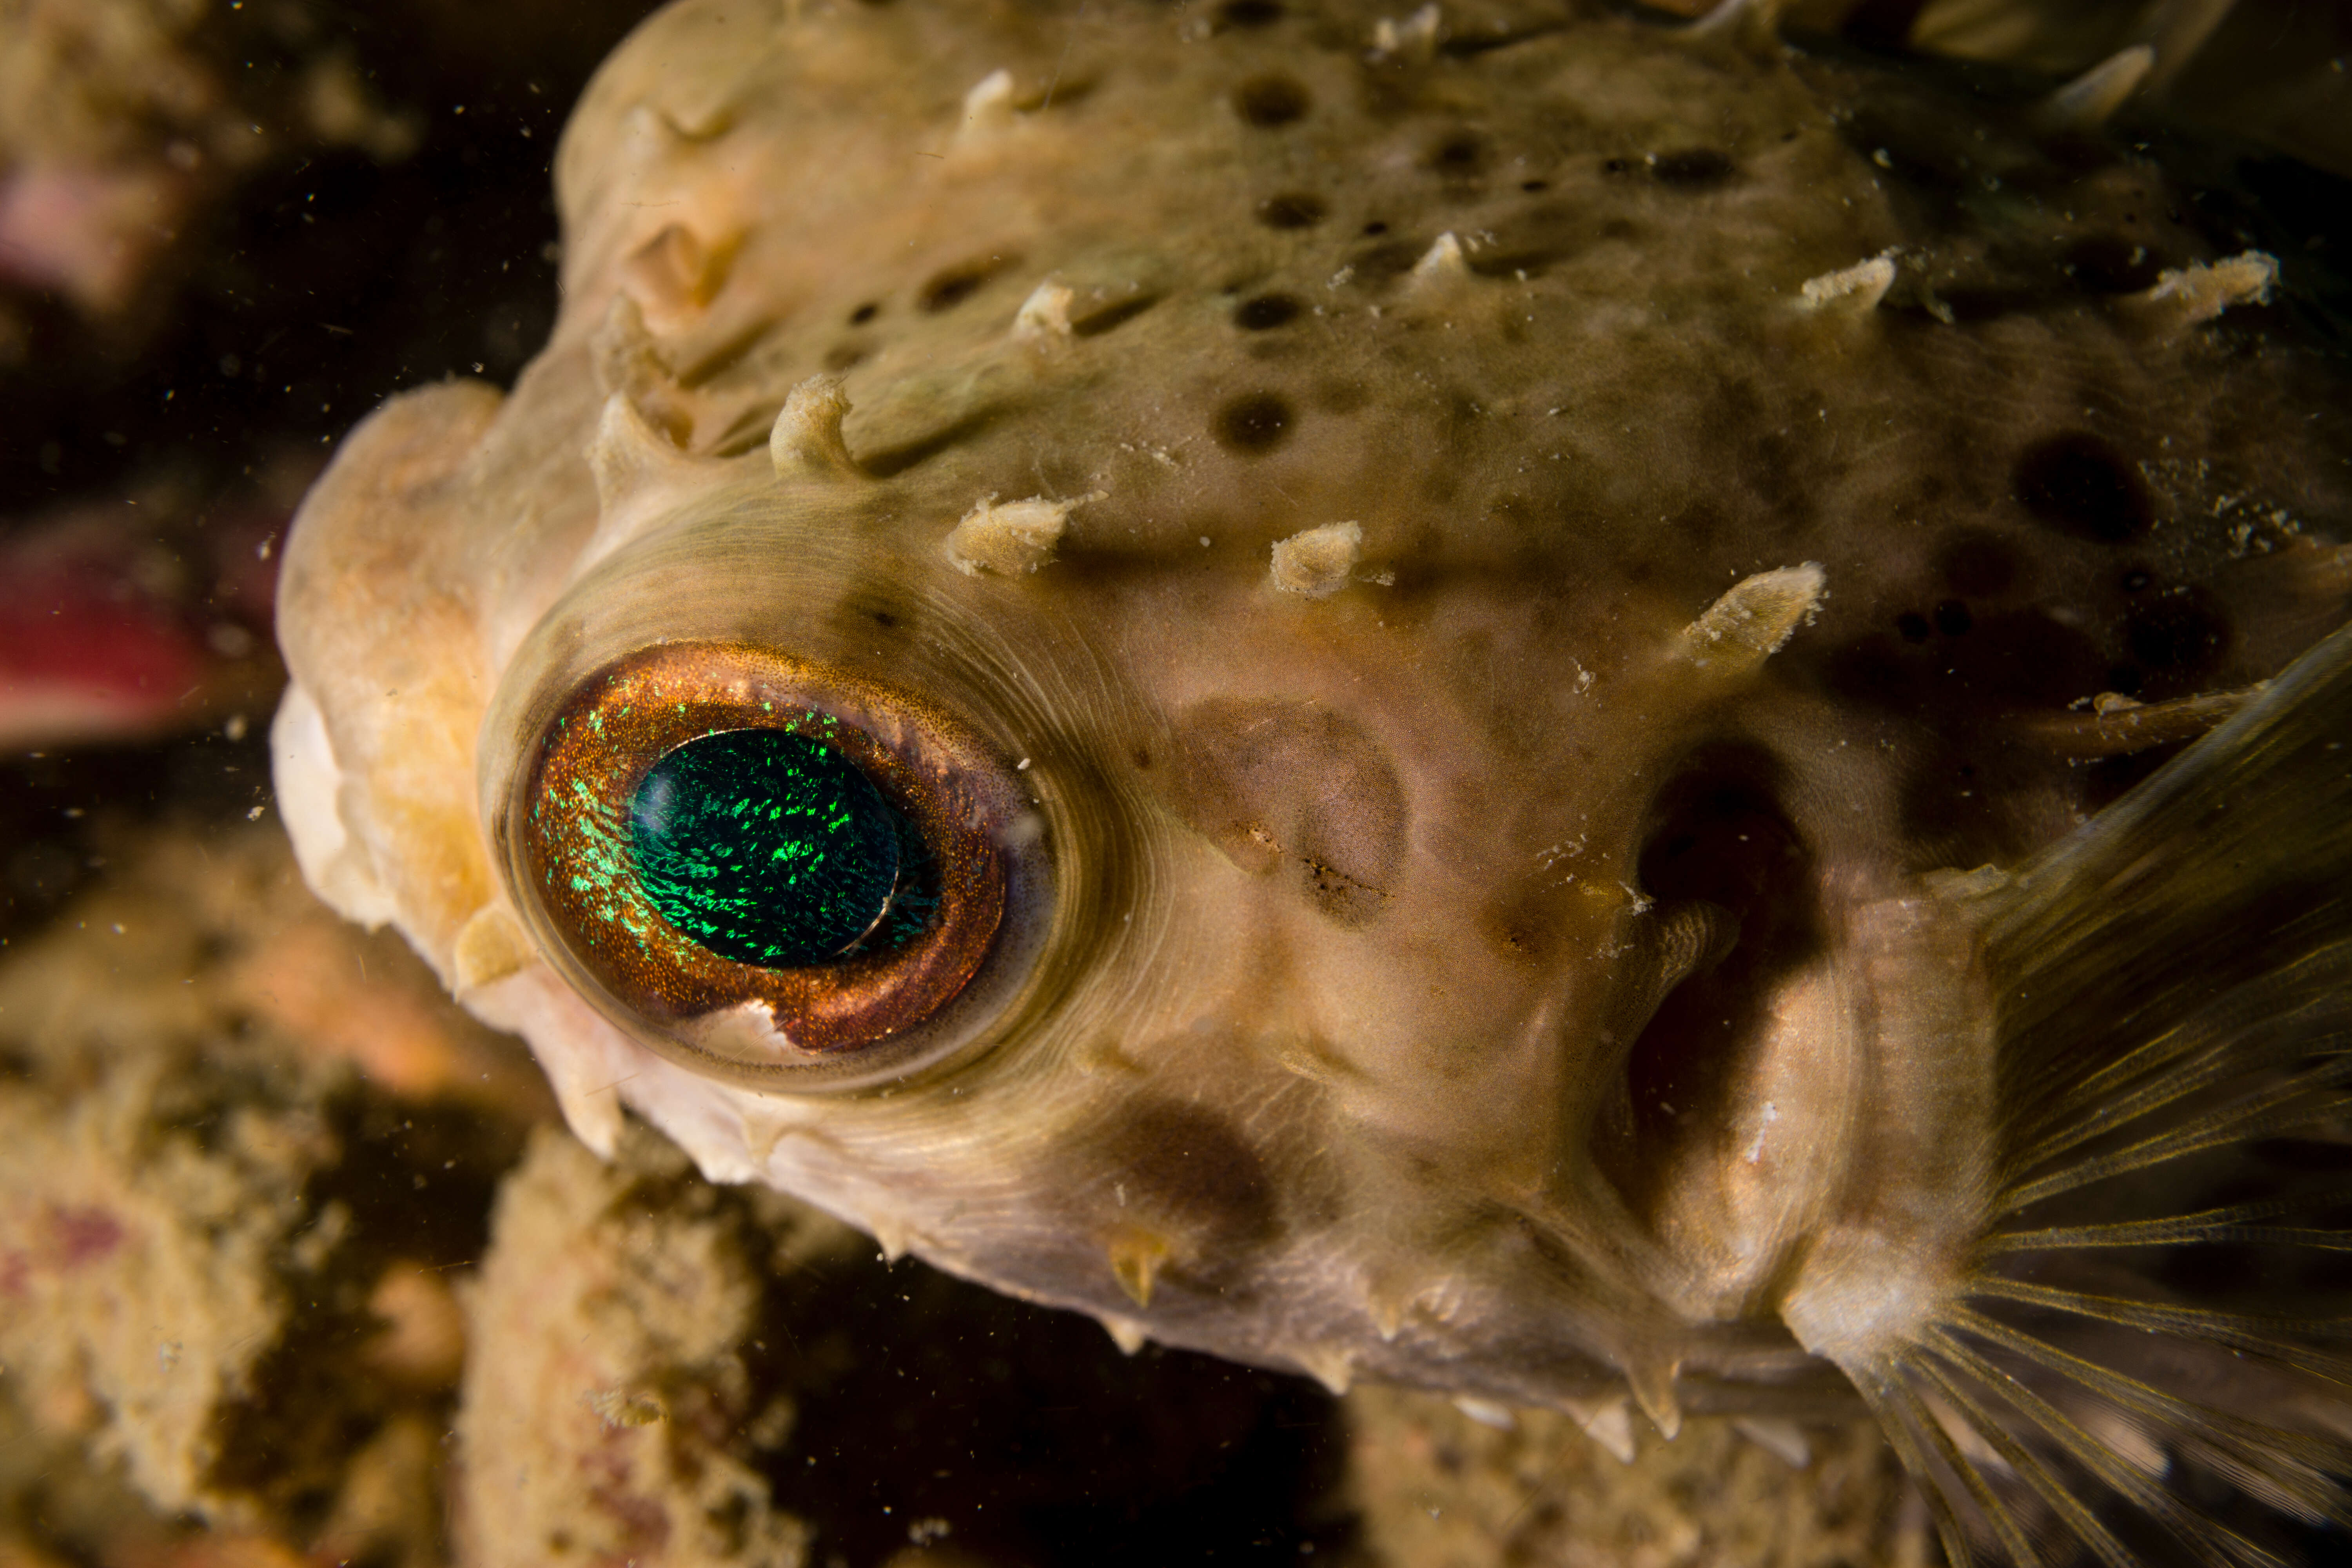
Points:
(1266, 311)
(1291, 209)
(1458, 155)
(2078, 485)
(1298, 791)
(951, 287)
(1249, 13)
(1996, 663)
(1273, 100)
(1253, 424)
(1388, 261)
(1117, 314)
(1179, 1167)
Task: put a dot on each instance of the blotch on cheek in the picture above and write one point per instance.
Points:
(1293, 790)
(1169, 1183)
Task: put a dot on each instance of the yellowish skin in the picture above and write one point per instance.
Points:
(1349, 1040)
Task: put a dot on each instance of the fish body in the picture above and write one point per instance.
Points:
(1484, 676)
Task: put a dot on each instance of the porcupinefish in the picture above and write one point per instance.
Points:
(1472, 700)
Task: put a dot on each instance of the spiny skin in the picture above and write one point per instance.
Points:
(1449, 970)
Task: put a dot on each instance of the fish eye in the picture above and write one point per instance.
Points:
(772, 871)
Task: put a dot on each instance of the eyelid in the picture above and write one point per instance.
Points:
(842, 1022)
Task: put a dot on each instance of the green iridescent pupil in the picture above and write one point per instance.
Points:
(764, 846)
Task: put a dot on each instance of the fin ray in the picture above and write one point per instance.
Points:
(2235, 1223)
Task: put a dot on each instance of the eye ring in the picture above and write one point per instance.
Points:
(847, 1019)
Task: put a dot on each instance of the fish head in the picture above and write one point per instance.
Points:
(1350, 604)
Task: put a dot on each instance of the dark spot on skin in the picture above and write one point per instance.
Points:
(885, 619)
(1266, 102)
(2181, 635)
(1952, 618)
(1142, 759)
(864, 313)
(951, 287)
(2012, 661)
(1183, 1168)
(1253, 424)
(1292, 209)
(1978, 565)
(1266, 311)
(1116, 313)
(1614, 166)
(1375, 228)
(889, 461)
(1531, 186)
(1694, 169)
(1457, 155)
(2078, 485)
(1913, 625)
(1387, 262)
(1249, 13)
(1300, 792)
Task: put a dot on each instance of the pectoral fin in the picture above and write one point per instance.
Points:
(2155, 1286)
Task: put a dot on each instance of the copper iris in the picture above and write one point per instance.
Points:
(771, 777)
